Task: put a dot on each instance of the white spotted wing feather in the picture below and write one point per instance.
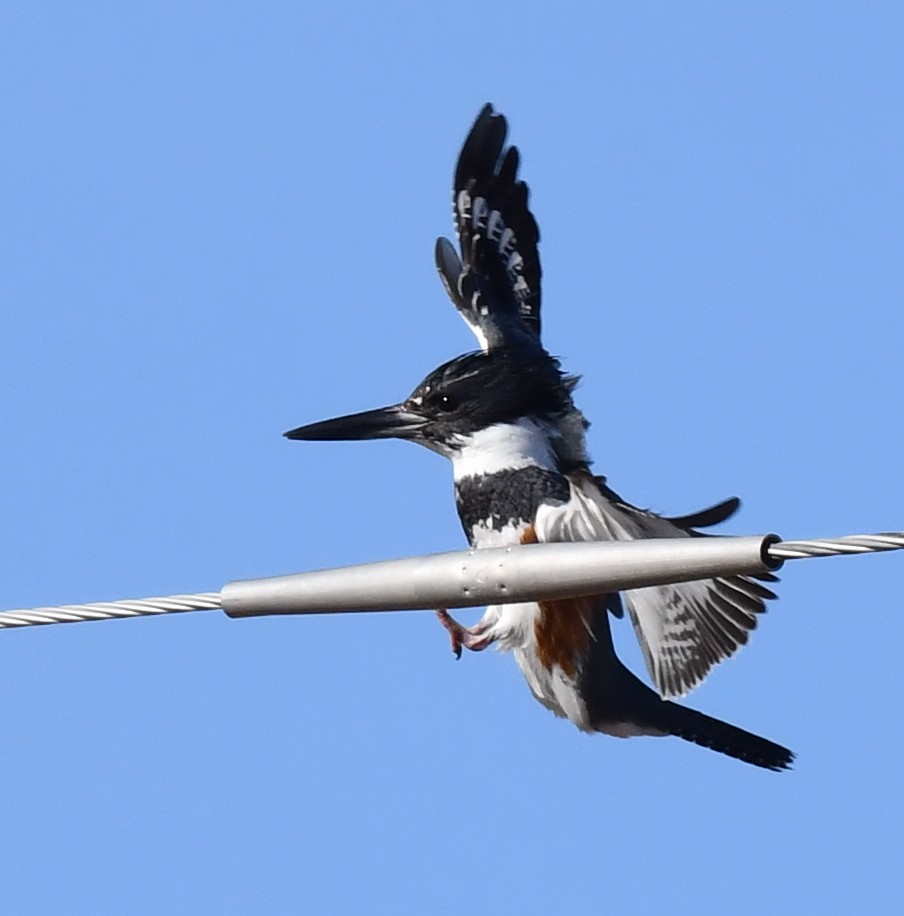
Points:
(683, 629)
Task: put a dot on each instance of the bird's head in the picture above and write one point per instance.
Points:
(463, 397)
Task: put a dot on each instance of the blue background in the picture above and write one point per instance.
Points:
(216, 224)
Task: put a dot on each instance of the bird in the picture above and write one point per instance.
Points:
(505, 416)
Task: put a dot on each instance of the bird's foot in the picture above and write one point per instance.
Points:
(473, 638)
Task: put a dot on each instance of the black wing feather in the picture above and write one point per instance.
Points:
(495, 284)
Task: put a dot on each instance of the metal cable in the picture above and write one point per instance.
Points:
(109, 610)
(832, 547)
(210, 601)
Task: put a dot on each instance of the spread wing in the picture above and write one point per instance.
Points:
(495, 283)
(683, 629)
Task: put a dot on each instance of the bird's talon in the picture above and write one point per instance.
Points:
(462, 637)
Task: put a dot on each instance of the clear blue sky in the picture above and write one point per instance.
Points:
(217, 223)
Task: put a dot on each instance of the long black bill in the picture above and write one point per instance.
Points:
(384, 423)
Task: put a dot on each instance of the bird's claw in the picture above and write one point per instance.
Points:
(453, 628)
(462, 637)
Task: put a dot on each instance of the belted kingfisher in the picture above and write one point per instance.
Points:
(506, 418)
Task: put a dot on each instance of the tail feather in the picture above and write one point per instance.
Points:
(616, 702)
(720, 736)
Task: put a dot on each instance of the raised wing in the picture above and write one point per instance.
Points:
(495, 283)
(683, 629)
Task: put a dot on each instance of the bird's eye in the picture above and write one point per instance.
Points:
(445, 402)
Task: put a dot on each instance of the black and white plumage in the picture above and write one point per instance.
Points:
(506, 418)
(495, 285)
(683, 629)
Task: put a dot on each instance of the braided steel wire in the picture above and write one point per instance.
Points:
(210, 601)
(834, 547)
(110, 610)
